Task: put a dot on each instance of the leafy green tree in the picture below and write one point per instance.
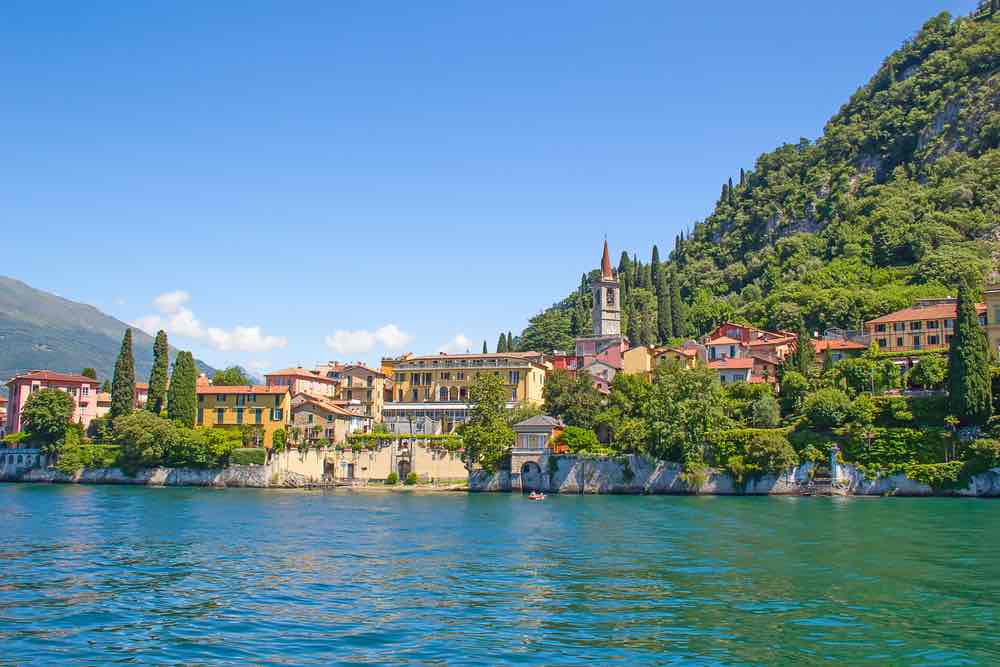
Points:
(123, 384)
(765, 412)
(486, 436)
(182, 399)
(572, 398)
(502, 344)
(46, 418)
(685, 405)
(579, 440)
(827, 408)
(230, 377)
(89, 372)
(157, 396)
(969, 385)
(144, 438)
(106, 387)
(930, 372)
(547, 332)
(794, 388)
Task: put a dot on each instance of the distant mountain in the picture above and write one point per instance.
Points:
(42, 330)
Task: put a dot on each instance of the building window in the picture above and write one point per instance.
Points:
(949, 324)
(899, 342)
(732, 351)
(309, 418)
(277, 414)
(239, 415)
(201, 416)
(881, 342)
(329, 418)
(445, 376)
(400, 396)
(611, 296)
(916, 342)
(416, 396)
(258, 415)
(220, 416)
(220, 398)
(899, 326)
(514, 377)
(932, 340)
(932, 324)
(880, 328)
(443, 394)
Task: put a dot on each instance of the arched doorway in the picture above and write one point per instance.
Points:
(531, 477)
(403, 469)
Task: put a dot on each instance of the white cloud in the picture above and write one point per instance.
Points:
(392, 338)
(457, 345)
(348, 343)
(178, 320)
(170, 302)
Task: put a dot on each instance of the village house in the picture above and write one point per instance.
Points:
(436, 387)
(644, 359)
(316, 418)
(429, 461)
(81, 388)
(992, 315)
(928, 325)
(299, 381)
(260, 411)
(837, 349)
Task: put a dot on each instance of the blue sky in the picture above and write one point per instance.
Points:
(283, 183)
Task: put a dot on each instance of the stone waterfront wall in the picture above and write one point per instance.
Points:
(638, 475)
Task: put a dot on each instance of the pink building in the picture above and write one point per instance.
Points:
(82, 389)
(301, 381)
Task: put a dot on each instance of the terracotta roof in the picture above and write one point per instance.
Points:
(142, 385)
(824, 345)
(741, 363)
(242, 389)
(778, 340)
(52, 376)
(103, 397)
(940, 311)
(724, 340)
(301, 373)
(606, 272)
(684, 351)
(329, 406)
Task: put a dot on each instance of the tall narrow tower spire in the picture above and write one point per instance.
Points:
(607, 307)
(606, 273)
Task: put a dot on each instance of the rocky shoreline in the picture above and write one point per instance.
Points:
(631, 475)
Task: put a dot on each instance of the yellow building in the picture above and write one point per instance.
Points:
(645, 359)
(928, 325)
(264, 409)
(437, 386)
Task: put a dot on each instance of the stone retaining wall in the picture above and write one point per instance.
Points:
(637, 475)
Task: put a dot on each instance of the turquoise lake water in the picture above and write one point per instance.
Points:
(98, 575)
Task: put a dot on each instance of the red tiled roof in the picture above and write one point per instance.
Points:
(940, 311)
(329, 406)
(737, 363)
(242, 389)
(52, 376)
(301, 373)
(778, 340)
(724, 340)
(824, 345)
(606, 272)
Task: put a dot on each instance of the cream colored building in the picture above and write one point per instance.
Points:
(432, 464)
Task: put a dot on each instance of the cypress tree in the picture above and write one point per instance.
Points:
(510, 342)
(502, 344)
(486, 350)
(969, 391)
(654, 268)
(665, 314)
(624, 264)
(182, 399)
(678, 308)
(123, 384)
(158, 376)
(803, 358)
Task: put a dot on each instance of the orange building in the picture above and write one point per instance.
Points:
(928, 325)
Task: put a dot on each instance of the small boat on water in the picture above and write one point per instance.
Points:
(534, 495)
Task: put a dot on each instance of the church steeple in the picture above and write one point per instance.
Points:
(606, 272)
(607, 307)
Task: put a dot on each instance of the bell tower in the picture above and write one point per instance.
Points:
(607, 315)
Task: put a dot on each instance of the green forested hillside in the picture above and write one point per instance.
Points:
(899, 196)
